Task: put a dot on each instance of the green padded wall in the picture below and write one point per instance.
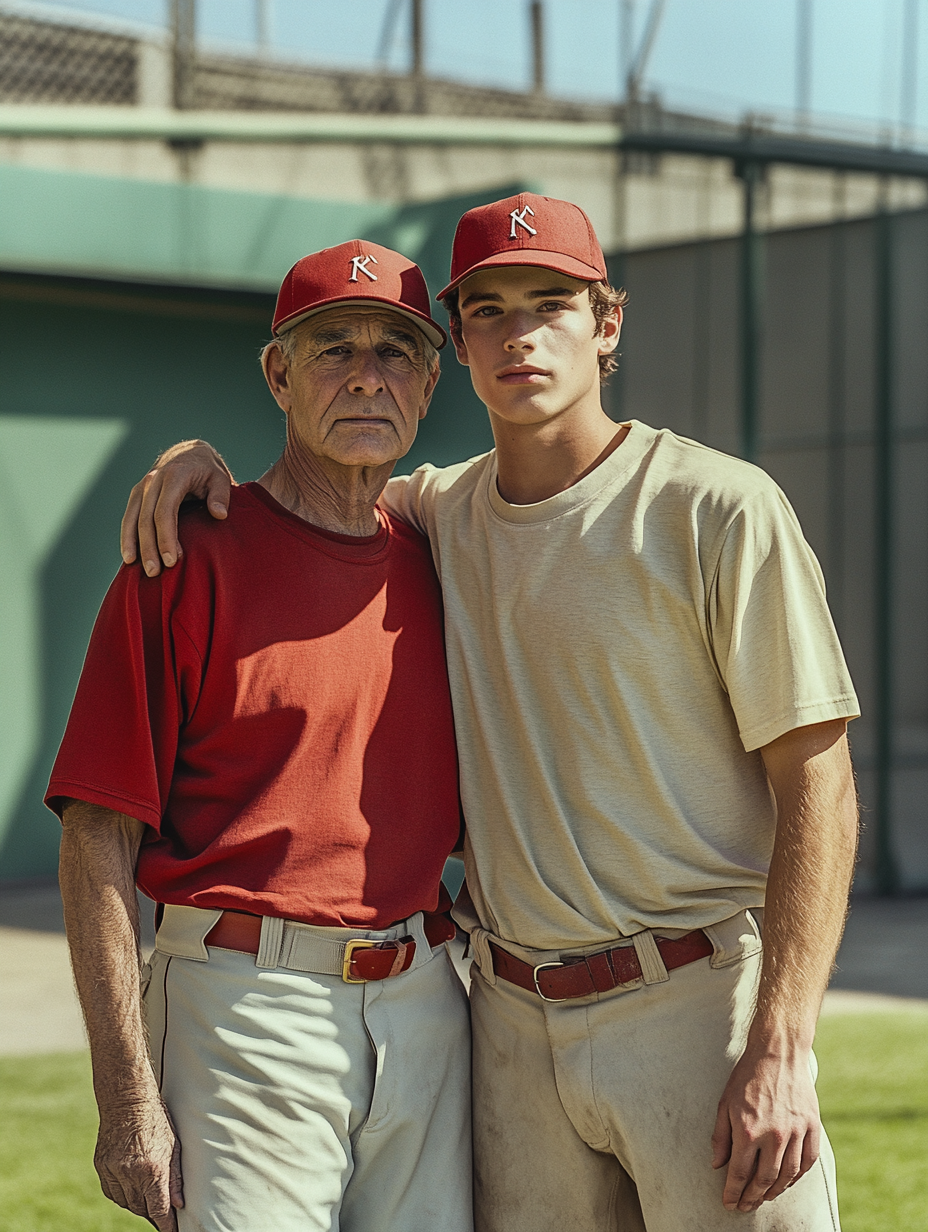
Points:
(96, 376)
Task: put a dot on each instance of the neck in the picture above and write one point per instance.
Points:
(536, 461)
(334, 497)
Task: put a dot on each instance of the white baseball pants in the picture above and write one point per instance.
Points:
(596, 1114)
(306, 1104)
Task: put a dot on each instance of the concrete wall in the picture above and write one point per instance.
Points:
(633, 203)
(681, 370)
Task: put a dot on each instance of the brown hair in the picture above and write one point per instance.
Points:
(604, 299)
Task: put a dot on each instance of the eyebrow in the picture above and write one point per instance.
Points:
(493, 297)
(400, 335)
(328, 335)
(332, 333)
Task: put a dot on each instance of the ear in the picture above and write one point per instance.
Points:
(457, 337)
(609, 332)
(277, 374)
(430, 389)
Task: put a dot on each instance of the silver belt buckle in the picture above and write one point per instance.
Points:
(544, 967)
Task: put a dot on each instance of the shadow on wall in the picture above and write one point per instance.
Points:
(105, 375)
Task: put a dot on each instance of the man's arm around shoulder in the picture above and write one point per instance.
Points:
(768, 1126)
(137, 1156)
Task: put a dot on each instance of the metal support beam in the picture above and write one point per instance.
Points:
(417, 65)
(887, 877)
(803, 63)
(752, 146)
(263, 26)
(908, 84)
(839, 312)
(752, 296)
(184, 44)
(537, 23)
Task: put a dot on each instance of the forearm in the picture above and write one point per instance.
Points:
(807, 892)
(97, 875)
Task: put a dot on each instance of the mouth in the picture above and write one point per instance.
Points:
(363, 421)
(522, 374)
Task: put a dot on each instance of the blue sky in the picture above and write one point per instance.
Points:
(718, 56)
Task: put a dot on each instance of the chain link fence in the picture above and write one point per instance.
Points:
(51, 61)
(42, 62)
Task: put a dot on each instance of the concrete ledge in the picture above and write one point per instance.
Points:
(164, 124)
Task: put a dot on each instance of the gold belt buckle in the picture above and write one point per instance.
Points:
(357, 943)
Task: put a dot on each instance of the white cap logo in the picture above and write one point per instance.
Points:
(518, 219)
(359, 265)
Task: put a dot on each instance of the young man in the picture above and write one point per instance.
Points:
(650, 705)
(262, 739)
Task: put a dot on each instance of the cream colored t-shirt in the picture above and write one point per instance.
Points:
(618, 654)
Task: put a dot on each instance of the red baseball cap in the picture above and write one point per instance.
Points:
(356, 273)
(526, 230)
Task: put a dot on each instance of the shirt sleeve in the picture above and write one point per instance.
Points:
(140, 679)
(401, 499)
(773, 637)
(411, 498)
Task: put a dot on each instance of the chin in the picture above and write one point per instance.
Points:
(367, 458)
(526, 414)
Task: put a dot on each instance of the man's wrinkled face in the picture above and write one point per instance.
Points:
(357, 386)
(530, 339)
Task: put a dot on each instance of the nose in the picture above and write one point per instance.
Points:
(366, 377)
(519, 337)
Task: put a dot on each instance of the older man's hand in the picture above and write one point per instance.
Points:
(149, 525)
(138, 1161)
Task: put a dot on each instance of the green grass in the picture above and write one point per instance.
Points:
(47, 1132)
(873, 1086)
(873, 1089)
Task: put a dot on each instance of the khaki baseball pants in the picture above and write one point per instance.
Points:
(305, 1104)
(596, 1115)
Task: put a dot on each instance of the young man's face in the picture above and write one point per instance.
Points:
(529, 337)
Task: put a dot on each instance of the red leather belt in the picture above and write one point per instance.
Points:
(581, 977)
(364, 959)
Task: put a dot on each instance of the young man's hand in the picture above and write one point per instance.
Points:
(768, 1129)
(138, 1161)
(149, 525)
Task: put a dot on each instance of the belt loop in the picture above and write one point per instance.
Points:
(649, 956)
(272, 937)
(483, 955)
(183, 931)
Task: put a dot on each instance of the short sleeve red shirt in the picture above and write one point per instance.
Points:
(276, 709)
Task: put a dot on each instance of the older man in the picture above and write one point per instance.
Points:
(262, 740)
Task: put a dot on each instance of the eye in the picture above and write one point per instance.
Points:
(339, 349)
(551, 305)
(488, 310)
(392, 352)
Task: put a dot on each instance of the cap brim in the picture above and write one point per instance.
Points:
(435, 334)
(555, 261)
